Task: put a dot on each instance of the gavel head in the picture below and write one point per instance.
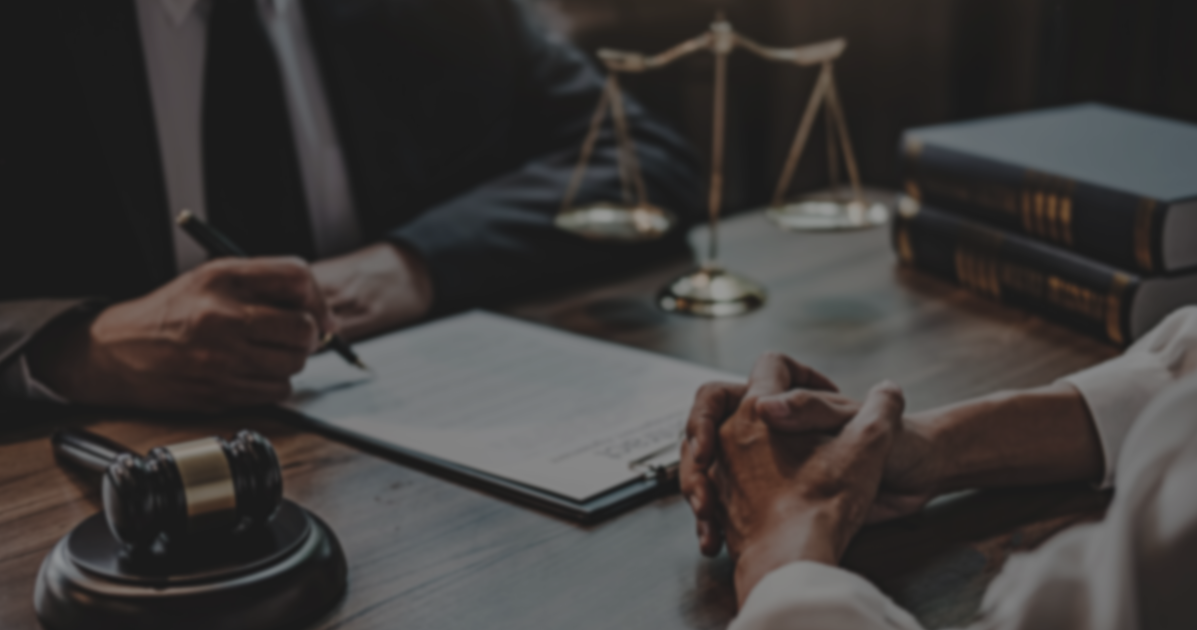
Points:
(203, 487)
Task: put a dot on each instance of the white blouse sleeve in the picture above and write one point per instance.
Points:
(1135, 569)
(1117, 391)
(814, 595)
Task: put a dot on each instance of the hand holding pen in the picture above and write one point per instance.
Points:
(229, 333)
(220, 246)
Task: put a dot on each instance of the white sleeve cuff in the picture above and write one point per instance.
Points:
(814, 595)
(1118, 390)
(16, 380)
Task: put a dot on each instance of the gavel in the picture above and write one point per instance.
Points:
(205, 487)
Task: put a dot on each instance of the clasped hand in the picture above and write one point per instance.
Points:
(786, 469)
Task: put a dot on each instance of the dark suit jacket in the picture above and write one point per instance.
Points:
(459, 121)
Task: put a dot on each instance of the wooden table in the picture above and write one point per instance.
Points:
(428, 553)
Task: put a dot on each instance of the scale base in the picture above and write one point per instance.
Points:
(286, 575)
(823, 215)
(711, 291)
(609, 221)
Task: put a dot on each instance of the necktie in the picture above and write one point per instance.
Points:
(252, 179)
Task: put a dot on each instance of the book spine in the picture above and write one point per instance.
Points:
(1080, 293)
(1114, 227)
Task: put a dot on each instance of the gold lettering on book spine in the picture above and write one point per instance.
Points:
(980, 269)
(978, 272)
(1053, 217)
(1032, 203)
(1114, 302)
(1066, 218)
(1028, 211)
(1074, 298)
(1062, 221)
(1144, 231)
(1040, 210)
(1046, 207)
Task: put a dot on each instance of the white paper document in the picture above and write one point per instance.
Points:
(545, 408)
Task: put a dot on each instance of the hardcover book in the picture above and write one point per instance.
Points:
(1115, 185)
(1084, 294)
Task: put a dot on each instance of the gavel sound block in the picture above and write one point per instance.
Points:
(194, 535)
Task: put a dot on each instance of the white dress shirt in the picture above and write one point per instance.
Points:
(174, 36)
(1136, 569)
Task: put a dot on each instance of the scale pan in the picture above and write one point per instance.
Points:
(820, 215)
(610, 221)
(711, 292)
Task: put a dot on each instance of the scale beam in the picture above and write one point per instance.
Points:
(624, 61)
(804, 56)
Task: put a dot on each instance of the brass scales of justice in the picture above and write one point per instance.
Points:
(711, 290)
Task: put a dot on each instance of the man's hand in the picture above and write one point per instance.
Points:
(915, 469)
(713, 404)
(798, 497)
(374, 289)
(810, 406)
(230, 333)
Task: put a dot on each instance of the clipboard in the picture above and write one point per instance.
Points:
(631, 461)
(655, 482)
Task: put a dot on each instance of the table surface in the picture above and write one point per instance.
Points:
(425, 552)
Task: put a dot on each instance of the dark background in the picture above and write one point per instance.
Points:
(908, 63)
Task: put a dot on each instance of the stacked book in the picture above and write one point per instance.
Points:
(1084, 214)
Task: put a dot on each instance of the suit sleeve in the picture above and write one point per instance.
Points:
(499, 238)
(20, 322)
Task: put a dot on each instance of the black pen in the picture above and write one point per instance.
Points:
(219, 246)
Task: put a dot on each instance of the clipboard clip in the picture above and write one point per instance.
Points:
(660, 464)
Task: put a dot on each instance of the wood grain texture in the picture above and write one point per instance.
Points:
(428, 553)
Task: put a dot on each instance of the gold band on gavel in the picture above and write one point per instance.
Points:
(207, 483)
